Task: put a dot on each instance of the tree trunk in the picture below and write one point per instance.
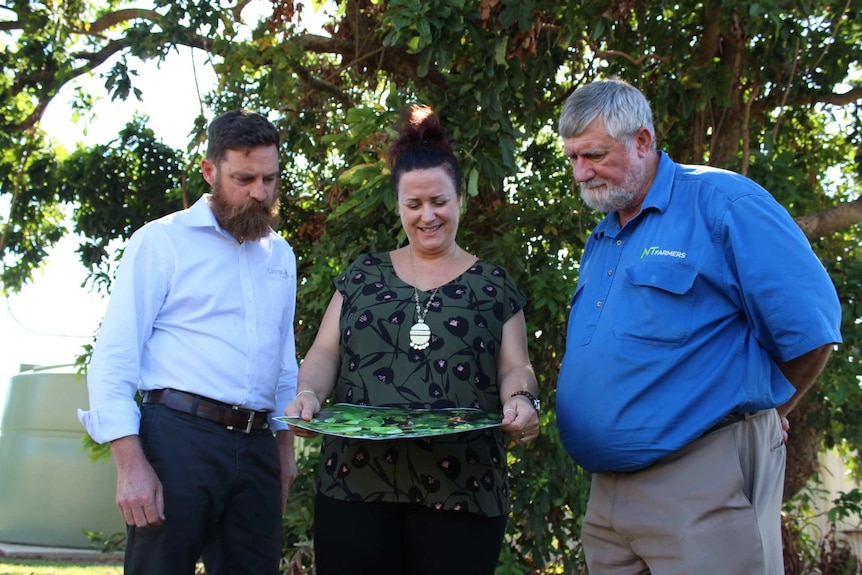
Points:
(803, 445)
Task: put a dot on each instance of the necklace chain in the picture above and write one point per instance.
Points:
(420, 313)
(420, 333)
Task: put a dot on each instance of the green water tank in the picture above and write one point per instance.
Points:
(51, 492)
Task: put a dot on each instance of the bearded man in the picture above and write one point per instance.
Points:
(200, 324)
(700, 317)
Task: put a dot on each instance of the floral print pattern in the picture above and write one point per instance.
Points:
(466, 471)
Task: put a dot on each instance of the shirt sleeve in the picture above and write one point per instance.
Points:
(112, 379)
(788, 297)
(286, 389)
(515, 298)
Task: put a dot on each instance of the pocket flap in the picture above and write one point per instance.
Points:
(672, 277)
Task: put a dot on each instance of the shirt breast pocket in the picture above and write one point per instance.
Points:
(657, 303)
(276, 298)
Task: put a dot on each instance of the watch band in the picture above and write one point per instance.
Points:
(537, 405)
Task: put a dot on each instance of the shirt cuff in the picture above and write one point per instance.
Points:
(111, 422)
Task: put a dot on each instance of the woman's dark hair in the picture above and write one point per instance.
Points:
(422, 144)
(238, 130)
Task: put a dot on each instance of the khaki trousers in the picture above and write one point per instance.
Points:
(712, 507)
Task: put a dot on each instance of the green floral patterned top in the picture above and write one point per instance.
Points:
(465, 471)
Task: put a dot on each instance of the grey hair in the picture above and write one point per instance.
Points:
(623, 107)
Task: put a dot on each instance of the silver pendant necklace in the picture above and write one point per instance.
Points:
(420, 333)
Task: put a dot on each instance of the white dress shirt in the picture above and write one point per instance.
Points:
(193, 309)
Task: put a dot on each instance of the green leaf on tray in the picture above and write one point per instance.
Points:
(366, 422)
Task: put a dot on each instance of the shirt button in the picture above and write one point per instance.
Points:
(610, 272)
(598, 304)
(619, 242)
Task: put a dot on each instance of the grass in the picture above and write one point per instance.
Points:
(39, 567)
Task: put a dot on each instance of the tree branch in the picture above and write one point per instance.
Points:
(395, 62)
(47, 83)
(113, 18)
(321, 85)
(852, 95)
(831, 220)
(639, 61)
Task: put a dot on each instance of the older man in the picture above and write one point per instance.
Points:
(700, 317)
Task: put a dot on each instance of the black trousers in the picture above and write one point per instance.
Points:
(222, 493)
(403, 539)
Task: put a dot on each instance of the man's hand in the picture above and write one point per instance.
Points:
(139, 491)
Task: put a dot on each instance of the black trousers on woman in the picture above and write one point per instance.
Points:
(403, 539)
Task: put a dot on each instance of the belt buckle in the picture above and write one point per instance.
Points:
(247, 425)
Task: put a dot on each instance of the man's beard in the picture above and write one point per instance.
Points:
(611, 199)
(615, 198)
(249, 220)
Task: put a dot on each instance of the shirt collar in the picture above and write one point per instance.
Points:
(659, 193)
(657, 198)
(201, 214)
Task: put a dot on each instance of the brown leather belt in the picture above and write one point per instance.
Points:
(233, 417)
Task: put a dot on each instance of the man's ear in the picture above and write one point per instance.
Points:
(643, 140)
(208, 169)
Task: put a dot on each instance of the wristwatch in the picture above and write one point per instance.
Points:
(537, 405)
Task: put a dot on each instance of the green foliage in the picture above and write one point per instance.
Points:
(132, 180)
(771, 88)
(840, 392)
(106, 543)
(548, 503)
(36, 217)
(848, 505)
(810, 549)
(298, 517)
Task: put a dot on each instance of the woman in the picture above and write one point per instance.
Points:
(427, 325)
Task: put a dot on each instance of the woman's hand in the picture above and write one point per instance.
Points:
(305, 405)
(516, 377)
(520, 419)
(318, 370)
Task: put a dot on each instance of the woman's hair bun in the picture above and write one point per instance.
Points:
(422, 144)
(419, 127)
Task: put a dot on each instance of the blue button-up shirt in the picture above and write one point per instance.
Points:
(680, 317)
(195, 310)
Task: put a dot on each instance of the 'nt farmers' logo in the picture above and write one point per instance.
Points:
(655, 251)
